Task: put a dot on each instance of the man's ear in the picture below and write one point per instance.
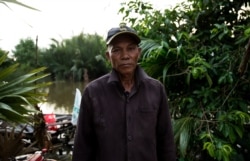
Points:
(107, 55)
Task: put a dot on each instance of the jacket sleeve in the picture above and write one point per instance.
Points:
(84, 142)
(165, 138)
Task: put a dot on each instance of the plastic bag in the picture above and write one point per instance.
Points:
(76, 107)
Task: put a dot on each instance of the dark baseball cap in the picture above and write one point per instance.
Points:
(123, 29)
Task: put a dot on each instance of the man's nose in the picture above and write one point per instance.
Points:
(125, 54)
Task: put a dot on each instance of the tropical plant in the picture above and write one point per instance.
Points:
(73, 58)
(197, 49)
(19, 95)
(12, 144)
(19, 98)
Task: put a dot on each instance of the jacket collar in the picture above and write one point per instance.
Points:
(140, 75)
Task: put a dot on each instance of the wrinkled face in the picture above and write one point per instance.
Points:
(123, 53)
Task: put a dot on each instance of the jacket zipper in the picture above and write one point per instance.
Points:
(126, 121)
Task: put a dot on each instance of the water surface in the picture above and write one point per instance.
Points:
(61, 97)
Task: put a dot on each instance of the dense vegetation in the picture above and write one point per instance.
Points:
(200, 51)
(70, 59)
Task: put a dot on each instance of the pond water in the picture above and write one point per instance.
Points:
(61, 97)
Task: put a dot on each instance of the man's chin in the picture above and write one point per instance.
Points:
(126, 72)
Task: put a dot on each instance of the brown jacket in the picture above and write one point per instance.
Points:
(115, 125)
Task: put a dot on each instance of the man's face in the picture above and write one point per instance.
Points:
(123, 53)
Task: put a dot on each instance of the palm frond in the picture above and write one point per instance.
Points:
(183, 130)
(17, 3)
(19, 96)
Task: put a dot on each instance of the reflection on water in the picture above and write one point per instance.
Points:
(61, 97)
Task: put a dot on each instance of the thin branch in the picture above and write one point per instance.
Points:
(178, 74)
(244, 61)
(230, 93)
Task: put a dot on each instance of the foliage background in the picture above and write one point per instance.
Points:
(69, 59)
(198, 49)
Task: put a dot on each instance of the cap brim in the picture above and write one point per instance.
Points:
(135, 36)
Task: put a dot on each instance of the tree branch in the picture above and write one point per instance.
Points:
(244, 61)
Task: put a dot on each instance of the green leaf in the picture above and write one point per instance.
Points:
(209, 146)
(18, 3)
(182, 130)
(209, 80)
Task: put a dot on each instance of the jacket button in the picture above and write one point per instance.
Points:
(129, 138)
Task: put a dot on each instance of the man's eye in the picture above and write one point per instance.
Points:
(132, 48)
(116, 50)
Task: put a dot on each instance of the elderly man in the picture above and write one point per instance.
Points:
(124, 115)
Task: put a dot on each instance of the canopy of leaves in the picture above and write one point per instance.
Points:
(70, 59)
